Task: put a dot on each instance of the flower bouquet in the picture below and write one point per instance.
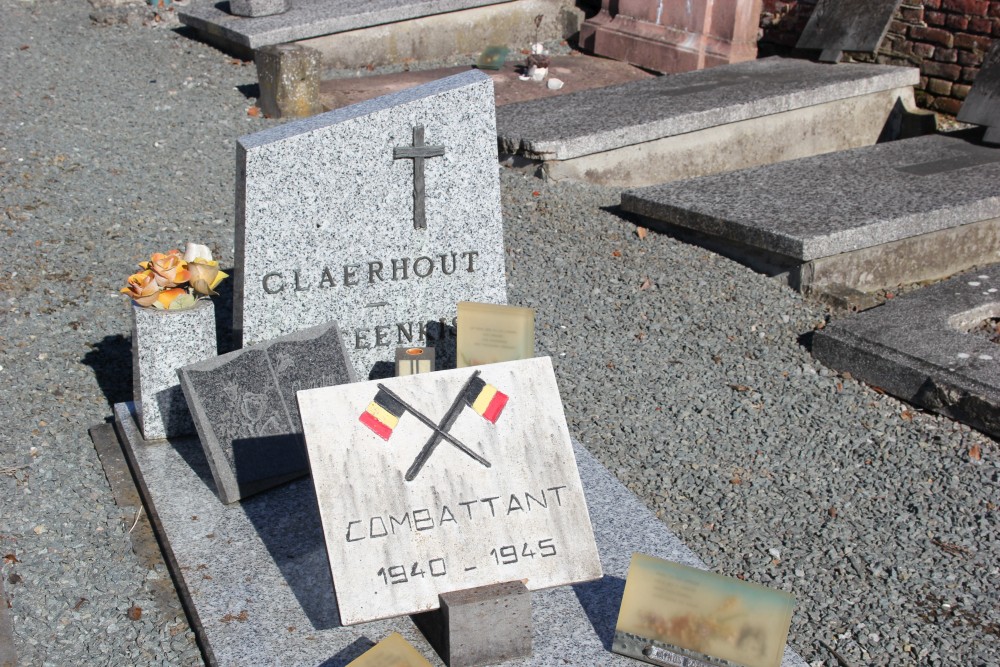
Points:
(172, 281)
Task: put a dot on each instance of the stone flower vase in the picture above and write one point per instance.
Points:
(162, 342)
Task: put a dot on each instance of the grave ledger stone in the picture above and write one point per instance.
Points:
(442, 482)
(243, 404)
(382, 216)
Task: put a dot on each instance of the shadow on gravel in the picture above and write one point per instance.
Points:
(600, 601)
(249, 90)
(111, 360)
(806, 341)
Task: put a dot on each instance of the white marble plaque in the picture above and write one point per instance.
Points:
(445, 481)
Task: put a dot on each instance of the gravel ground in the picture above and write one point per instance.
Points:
(685, 373)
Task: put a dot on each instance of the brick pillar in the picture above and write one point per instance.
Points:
(674, 35)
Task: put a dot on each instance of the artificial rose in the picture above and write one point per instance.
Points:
(175, 298)
(170, 268)
(193, 251)
(205, 276)
(142, 288)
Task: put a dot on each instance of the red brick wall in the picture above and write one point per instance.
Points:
(946, 39)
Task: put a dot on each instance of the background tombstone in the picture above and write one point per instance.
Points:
(329, 220)
(847, 25)
(982, 106)
(674, 36)
(243, 404)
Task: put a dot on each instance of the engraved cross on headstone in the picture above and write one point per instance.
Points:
(417, 153)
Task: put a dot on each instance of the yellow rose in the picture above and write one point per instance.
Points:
(169, 268)
(205, 275)
(142, 288)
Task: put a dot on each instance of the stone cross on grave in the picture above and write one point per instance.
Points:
(417, 153)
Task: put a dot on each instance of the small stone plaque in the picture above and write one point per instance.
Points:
(848, 25)
(673, 614)
(393, 651)
(490, 333)
(446, 481)
(981, 107)
(244, 409)
(382, 215)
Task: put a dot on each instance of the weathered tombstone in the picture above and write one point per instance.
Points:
(872, 218)
(847, 25)
(982, 106)
(674, 36)
(243, 405)
(443, 482)
(382, 216)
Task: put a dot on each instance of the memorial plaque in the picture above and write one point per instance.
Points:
(489, 333)
(981, 107)
(848, 25)
(382, 216)
(393, 651)
(446, 481)
(244, 409)
(673, 614)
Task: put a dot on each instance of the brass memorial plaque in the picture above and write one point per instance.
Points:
(490, 333)
(681, 616)
(393, 651)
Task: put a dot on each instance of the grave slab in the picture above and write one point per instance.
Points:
(804, 212)
(255, 580)
(381, 216)
(311, 18)
(847, 25)
(980, 107)
(477, 486)
(244, 409)
(751, 113)
(924, 348)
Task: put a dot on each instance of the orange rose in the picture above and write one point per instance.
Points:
(142, 288)
(170, 268)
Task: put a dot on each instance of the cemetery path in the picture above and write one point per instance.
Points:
(682, 372)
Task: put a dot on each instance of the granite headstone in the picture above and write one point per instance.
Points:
(982, 106)
(382, 215)
(244, 409)
(847, 25)
(443, 482)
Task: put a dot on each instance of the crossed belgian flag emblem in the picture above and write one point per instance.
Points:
(386, 409)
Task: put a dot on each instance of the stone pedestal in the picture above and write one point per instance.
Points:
(675, 36)
(162, 342)
(255, 8)
(480, 626)
(289, 81)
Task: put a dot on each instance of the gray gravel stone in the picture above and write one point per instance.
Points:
(682, 371)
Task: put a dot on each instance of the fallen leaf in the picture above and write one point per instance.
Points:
(739, 387)
(716, 358)
(134, 613)
(832, 512)
(79, 603)
(641, 232)
(736, 480)
(23, 47)
(646, 284)
(616, 253)
(975, 453)
(890, 295)
(253, 112)
(906, 415)
(611, 365)
(10, 559)
(840, 387)
(878, 390)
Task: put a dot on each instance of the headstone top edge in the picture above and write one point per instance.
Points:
(249, 142)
